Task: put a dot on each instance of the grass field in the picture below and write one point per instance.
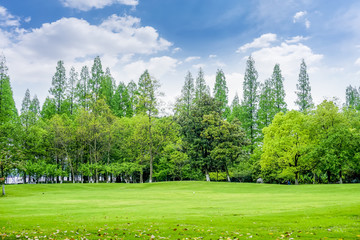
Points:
(180, 210)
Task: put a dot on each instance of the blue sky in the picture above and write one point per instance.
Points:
(171, 37)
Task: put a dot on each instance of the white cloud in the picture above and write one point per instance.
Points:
(296, 39)
(85, 5)
(7, 19)
(357, 62)
(157, 66)
(32, 54)
(193, 58)
(212, 56)
(27, 20)
(261, 42)
(298, 16)
(175, 50)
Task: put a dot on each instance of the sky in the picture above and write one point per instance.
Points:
(171, 37)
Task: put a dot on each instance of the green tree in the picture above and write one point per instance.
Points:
(121, 102)
(97, 75)
(107, 87)
(58, 88)
(304, 100)
(148, 89)
(267, 108)
(250, 102)
(201, 88)
(221, 92)
(71, 89)
(352, 97)
(286, 145)
(227, 140)
(279, 92)
(83, 88)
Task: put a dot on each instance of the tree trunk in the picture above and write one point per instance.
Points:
(207, 176)
(296, 179)
(228, 175)
(151, 152)
(141, 177)
(341, 181)
(3, 189)
(314, 178)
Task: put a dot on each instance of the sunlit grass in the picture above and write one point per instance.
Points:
(176, 210)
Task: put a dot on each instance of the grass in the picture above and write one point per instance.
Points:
(178, 210)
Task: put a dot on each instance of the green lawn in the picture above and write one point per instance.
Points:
(180, 210)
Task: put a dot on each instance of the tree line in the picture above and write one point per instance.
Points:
(90, 129)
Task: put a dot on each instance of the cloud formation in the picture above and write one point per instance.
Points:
(260, 42)
(7, 19)
(86, 5)
(300, 17)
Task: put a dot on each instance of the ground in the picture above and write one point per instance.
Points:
(180, 210)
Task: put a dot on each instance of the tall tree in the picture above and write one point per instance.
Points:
(279, 92)
(83, 88)
(250, 102)
(267, 108)
(97, 75)
(133, 96)
(201, 88)
(185, 102)
(107, 87)
(71, 89)
(121, 105)
(148, 105)
(221, 91)
(352, 97)
(58, 88)
(304, 100)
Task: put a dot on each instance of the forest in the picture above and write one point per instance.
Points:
(90, 129)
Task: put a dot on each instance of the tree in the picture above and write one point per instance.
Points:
(304, 99)
(58, 88)
(121, 102)
(267, 108)
(335, 142)
(221, 92)
(201, 88)
(148, 105)
(250, 102)
(279, 92)
(83, 88)
(199, 147)
(227, 140)
(97, 75)
(71, 89)
(235, 109)
(286, 145)
(107, 87)
(352, 97)
(185, 102)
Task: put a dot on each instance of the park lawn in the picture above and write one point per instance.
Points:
(180, 210)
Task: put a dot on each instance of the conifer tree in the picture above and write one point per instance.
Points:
(201, 88)
(148, 88)
(132, 90)
(352, 97)
(185, 102)
(267, 108)
(304, 100)
(250, 102)
(83, 88)
(58, 88)
(107, 87)
(221, 91)
(97, 75)
(279, 92)
(71, 89)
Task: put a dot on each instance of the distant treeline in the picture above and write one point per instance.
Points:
(91, 129)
